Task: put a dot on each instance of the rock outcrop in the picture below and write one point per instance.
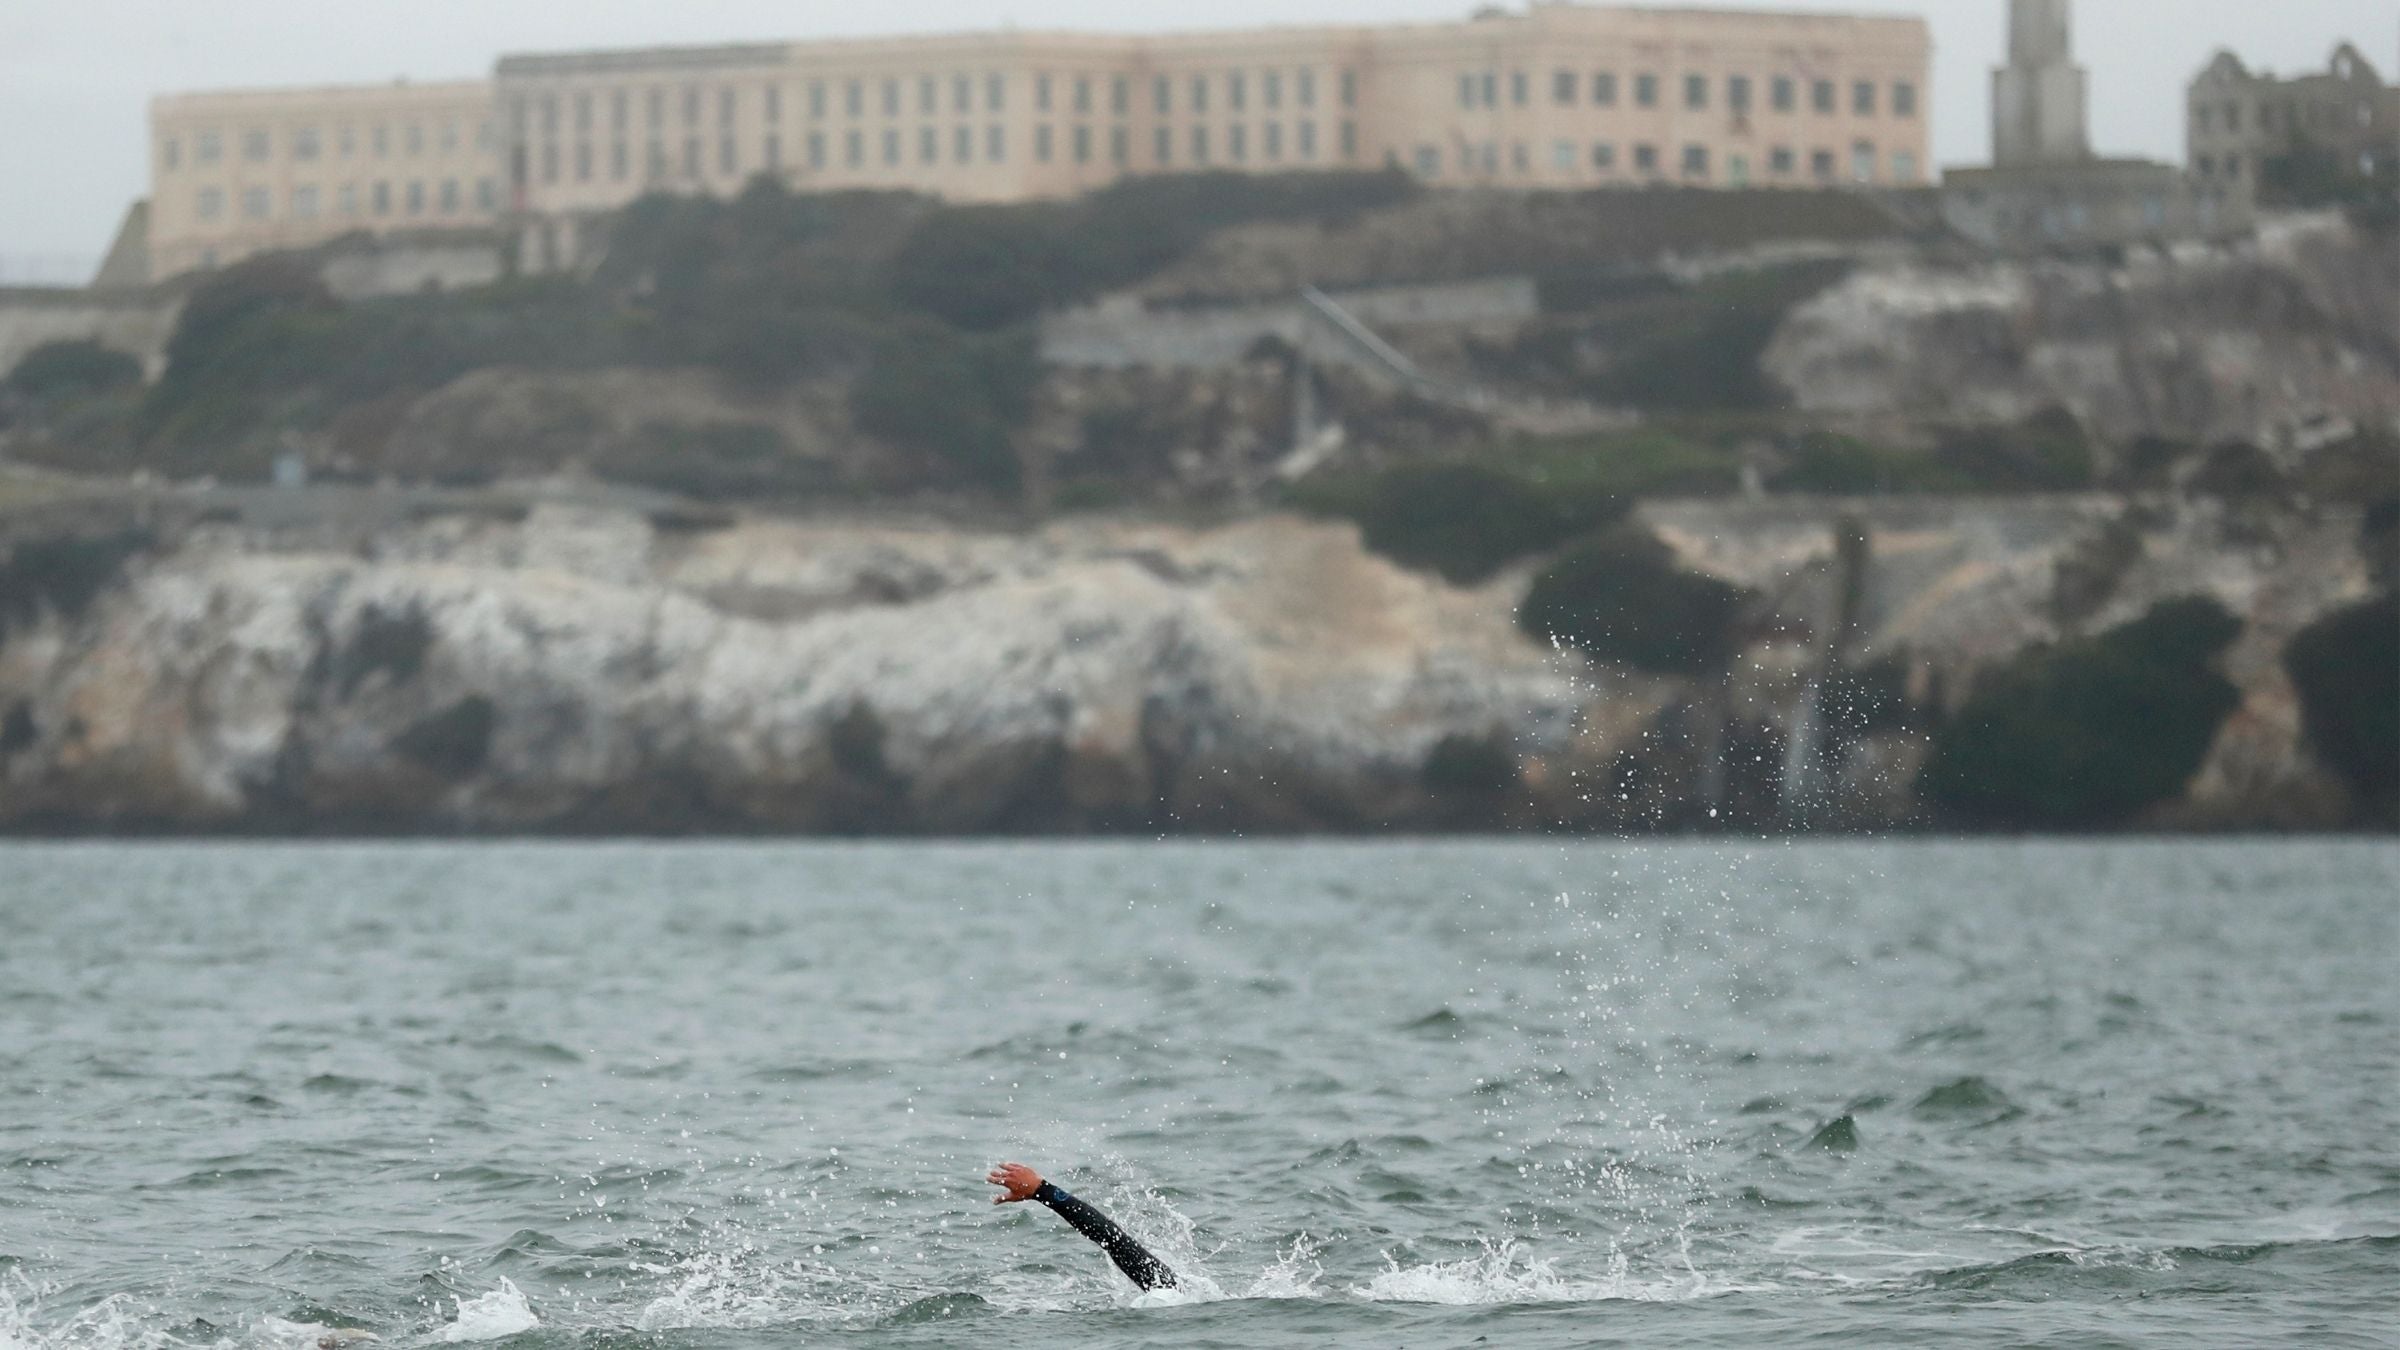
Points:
(587, 670)
(598, 669)
(2268, 341)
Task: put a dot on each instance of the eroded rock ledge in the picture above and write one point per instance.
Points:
(590, 669)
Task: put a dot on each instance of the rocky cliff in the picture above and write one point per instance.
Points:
(587, 669)
(2267, 341)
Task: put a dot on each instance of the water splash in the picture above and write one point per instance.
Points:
(113, 1323)
(1504, 1272)
(738, 1287)
(489, 1317)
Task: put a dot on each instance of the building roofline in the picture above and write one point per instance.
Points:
(303, 92)
(721, 55)
(709, 57)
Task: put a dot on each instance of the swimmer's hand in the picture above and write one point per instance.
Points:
(1018, 1180)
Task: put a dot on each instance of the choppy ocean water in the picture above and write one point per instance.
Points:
(1543, 1094)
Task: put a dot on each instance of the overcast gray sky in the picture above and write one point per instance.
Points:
(74, 74)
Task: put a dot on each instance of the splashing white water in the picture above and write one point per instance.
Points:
(1504, 1273)
(488, 1317)
(738, 1288)
(110, 1324)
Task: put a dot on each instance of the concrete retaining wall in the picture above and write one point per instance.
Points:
(133, 321)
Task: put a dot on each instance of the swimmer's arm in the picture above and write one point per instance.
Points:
(1023, 1183)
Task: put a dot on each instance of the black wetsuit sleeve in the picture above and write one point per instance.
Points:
(1131, 1257)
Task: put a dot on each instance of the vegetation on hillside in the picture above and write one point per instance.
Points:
(953, 394)
(72, 369)
(989, 267)
(1621, 597)
(63, 575)
(2346, 667)
(2089, 732)
(921, 308)
(1639, 340)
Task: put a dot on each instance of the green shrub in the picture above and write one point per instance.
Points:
(929, 387)
(2047, 452)
(2346, 666)
(1622, 466)
(986, 267)
(990, 267)
(454, 742)
(219, 309)
(2379, 541)
(390, 643)
(1621, 598)
(1471, 767)
(710, 460)
(73, 370)
(2239, 470)
(2150, 461)
(1699, 349)
(687, 259)
(1464, 521)
(1468, 519)
(1837, 465)
(247, 338)
(2087, 733)
(64, 574)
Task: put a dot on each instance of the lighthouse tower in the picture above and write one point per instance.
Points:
(2038, 97)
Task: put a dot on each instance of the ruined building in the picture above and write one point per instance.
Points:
(2045, 188)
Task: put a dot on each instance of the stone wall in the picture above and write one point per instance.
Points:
(451, 260)
(136, 322)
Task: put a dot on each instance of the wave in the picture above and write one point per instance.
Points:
(1964, 1097)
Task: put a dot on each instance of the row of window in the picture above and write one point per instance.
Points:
(1697, 163)
(1568, 88)
(309, 143)
(2290, 116)
(1273, 142)
(416, 197)
(958, 95)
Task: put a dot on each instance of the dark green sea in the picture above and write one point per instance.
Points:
(578, 1096)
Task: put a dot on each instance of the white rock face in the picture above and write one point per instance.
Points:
(584, 669)
(587, 669)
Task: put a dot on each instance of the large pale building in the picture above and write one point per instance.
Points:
(237, 173)
(1560, 95)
